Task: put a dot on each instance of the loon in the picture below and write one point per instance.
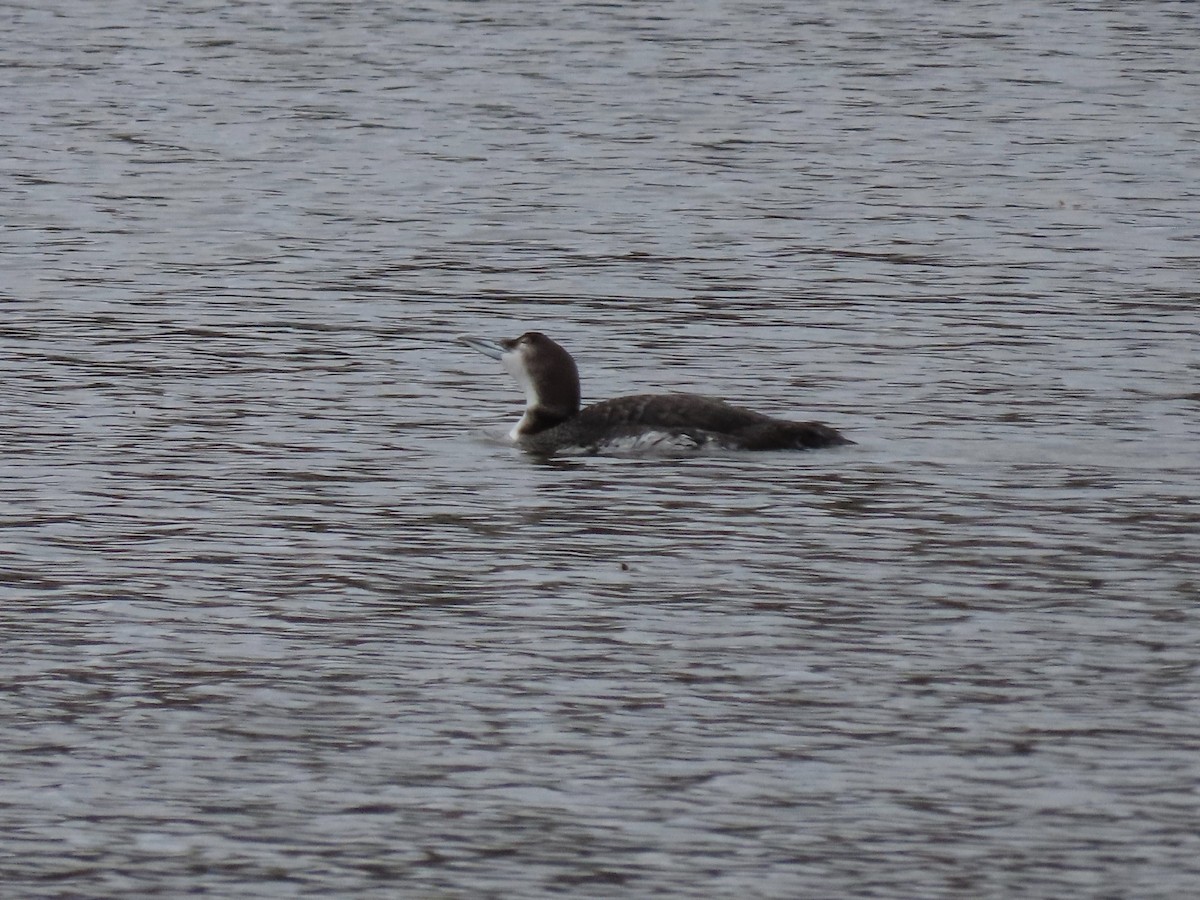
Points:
(553, 421)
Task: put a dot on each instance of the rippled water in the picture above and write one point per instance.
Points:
(283, 618)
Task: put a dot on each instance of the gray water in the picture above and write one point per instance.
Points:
(282, 616)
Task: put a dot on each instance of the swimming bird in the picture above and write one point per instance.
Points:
(553, 421)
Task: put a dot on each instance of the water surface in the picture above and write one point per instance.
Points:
(283, 618)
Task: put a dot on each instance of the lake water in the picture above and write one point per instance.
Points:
(282, 617)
